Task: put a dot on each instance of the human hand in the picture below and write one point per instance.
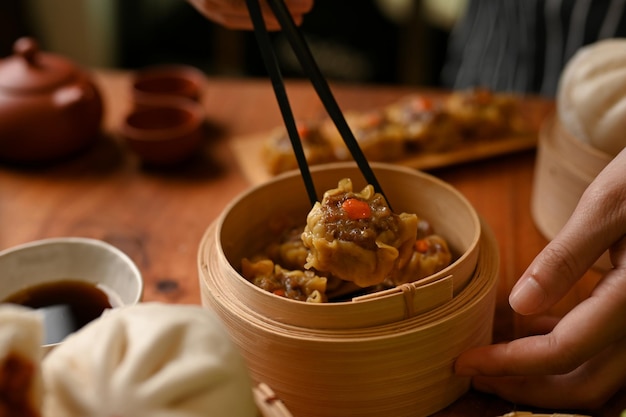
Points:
(580, 361)
(233, 14)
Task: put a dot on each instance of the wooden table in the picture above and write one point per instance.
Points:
(159, 216)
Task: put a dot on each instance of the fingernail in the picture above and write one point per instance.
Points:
(527, 296)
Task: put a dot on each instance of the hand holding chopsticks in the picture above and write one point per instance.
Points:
(318, 81)
(234, 14)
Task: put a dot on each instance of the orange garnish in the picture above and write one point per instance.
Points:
(373, 119)
(421, 245)
(356, 209)
(423, 103)
(303, 130)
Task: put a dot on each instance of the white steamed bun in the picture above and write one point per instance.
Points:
(148, 360)
(21, 331)
(591, 98)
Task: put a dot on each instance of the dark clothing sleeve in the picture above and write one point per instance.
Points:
(523, 45)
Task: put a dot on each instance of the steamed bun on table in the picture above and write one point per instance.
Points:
(148, 360)
(591, 98)
(20, 358)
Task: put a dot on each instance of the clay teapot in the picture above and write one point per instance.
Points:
(49, 108)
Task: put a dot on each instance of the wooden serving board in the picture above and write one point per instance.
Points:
(247, 148)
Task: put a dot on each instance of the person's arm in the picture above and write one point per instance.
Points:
(233, 14)
(580, 361)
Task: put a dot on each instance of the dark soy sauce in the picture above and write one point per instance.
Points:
(67, 305)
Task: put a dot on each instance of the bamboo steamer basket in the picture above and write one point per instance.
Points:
(390, 352)
(565, 166)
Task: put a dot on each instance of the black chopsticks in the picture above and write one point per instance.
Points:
(273, 68)
(302, 52)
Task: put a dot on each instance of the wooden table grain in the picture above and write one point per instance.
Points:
(159, 216)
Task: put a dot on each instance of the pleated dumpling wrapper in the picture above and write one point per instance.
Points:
(356, 237)
(148, 360)
(591, 97)
(21, 335)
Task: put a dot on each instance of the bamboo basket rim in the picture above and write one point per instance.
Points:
(375, 165)
(462, 229)
(488, 260)
(391, 167)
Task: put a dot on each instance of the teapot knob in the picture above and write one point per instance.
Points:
(27, 48)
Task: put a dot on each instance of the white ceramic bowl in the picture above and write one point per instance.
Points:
(75, 258)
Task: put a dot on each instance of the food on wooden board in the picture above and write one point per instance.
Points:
(413, 125)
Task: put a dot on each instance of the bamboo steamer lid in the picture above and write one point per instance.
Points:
(325, 359)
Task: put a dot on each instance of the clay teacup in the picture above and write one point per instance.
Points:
(169, 81)
(166, 132)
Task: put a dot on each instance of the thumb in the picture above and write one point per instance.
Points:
(548, 278)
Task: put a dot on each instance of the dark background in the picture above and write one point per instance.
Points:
(351, 40)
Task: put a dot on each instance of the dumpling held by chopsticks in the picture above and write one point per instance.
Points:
(356, 237)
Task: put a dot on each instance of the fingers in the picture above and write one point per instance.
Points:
(587, 347)
(234, 14)
(586, 330)
(538, 325)
(572, 390)
(559, 265)
(597, 224)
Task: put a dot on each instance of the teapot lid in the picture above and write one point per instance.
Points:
(31, 70)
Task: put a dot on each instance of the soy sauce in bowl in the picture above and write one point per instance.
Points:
(67, 305)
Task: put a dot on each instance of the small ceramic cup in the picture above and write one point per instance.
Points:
(170, 81)
(165, 132)
(53, 261)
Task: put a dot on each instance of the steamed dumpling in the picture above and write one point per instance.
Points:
(356, 237)
(148, 360)
(591, 98)
(21, 331)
